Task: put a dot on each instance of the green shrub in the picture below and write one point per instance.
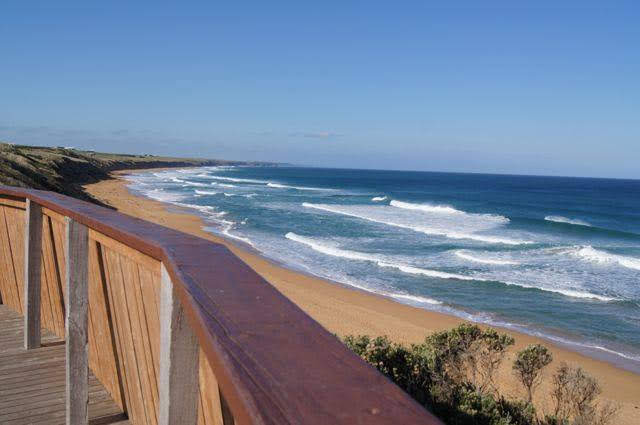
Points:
(528, 366)
(452, 374)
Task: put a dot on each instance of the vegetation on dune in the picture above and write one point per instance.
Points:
(452, 373)
(65, 170)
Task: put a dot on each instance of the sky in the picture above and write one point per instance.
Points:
(546, 88)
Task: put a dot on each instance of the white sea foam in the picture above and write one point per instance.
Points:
(445, 209)
(234, 179)
(225, 227)
(379, 198)
(284, 186)
(439, 209)
(328, 250)
(359, 256)
(224, 184)
(589, 253)
(206, 192)
(436, 224)
(427, 272)
(466, 256)
(415, 298)
(353, 255)
(566, 292)
(163, 196)
(196, 184)
(560, 219)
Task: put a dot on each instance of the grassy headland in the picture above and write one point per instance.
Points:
(65, 170)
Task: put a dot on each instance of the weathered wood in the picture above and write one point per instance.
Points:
(178, 388)
(32, 382)
(32, 274)
(77, 361)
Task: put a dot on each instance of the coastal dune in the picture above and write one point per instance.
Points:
(346, 311)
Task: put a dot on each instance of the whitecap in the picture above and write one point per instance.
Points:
(206, 192)
(437, 224)
(284, 186)
(483, 260)
(560, 219)
(589, 253)
(379, 198)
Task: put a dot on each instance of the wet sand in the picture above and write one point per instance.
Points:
(344, 310)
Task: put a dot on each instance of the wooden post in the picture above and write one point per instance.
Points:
(76, 323)
(32, 274)
(178, 384)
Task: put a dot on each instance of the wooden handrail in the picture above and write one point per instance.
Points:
(274, 364)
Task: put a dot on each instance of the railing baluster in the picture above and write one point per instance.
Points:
(32, 274)
(77, 361)
(179, 367)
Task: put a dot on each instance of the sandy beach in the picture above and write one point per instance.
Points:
(345, 311)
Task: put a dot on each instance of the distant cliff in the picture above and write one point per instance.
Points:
(65, 170)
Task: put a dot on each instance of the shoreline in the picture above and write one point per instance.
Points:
(344, 309)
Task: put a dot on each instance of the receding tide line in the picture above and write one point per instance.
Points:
(420, 229)
(360, 256)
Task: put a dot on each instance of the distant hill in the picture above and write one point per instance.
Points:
(65, 170)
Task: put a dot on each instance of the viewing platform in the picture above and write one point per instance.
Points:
(108, 319)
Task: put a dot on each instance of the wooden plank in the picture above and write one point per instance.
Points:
(178, 360)
(55, 260)
(77, 361)
(210, 407)
(12, 293)
(15, 222)
(32, 274)
(140, 336)
(54, 215)
(102, 339)
(126, 347)
(32, 382)
(12, 201)
(135, 255)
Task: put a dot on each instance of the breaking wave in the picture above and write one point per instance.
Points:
(379, 198)
(589, 253)
(381, 262)
(466, 256)
(482, 222)
(284, 186)
(560, 219)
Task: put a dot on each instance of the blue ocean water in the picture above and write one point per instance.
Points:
(551, 256)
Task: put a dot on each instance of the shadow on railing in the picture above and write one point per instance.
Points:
(179, 329)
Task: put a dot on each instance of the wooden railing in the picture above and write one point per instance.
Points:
(179, 330)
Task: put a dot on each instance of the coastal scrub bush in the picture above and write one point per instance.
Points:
(574, 394)
(452, 374)
(528, 367)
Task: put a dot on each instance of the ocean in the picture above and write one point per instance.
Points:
(556, 257)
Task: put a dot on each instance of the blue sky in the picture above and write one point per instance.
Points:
(539, 88)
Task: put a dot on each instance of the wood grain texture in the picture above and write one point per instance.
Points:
(32, 382)
(32, 274)
(12, 256)
(179, 366)
(209, 408)
(53, 266)
(77, 355)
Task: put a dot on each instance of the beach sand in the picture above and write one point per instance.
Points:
(344, 310)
